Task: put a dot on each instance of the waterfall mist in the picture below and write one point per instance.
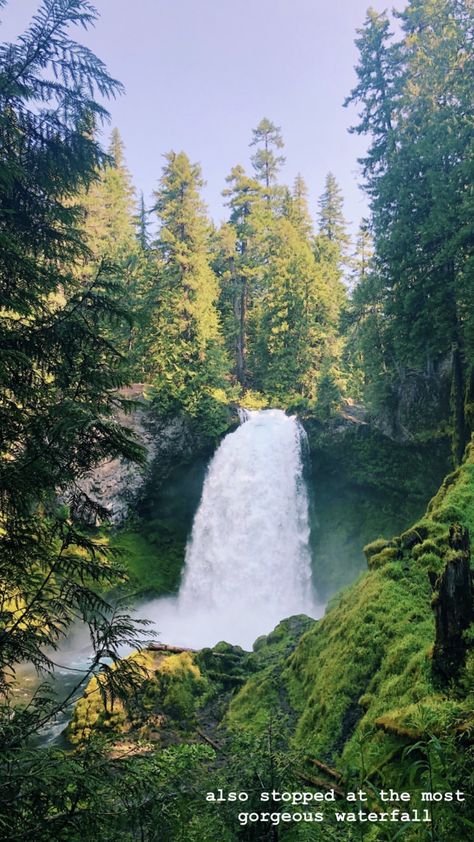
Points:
(248, 562)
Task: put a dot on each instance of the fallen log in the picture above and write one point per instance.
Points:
(319, 783)
(332, 773)
(209, 740)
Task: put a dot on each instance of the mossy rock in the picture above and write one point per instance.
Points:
(227, 665)
(376, 547)
(388, 554)
(427, 546)
(438, 498)
(282, 640)
(168, 696)
(260, 643)
(229, 649)
(179, 683)
(289, 630)
(414, 536)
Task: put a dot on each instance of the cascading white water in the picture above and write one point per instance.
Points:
(248, 561)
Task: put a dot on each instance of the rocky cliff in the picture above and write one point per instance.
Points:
(116, 485)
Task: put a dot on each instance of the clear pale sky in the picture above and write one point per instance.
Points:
(200, 74)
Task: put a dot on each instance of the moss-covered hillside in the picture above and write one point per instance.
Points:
(363, 682)
(365, 697)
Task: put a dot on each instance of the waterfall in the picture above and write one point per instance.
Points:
(248, 562)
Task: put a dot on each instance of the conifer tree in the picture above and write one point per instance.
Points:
(298, 210)
(415, 102)
(377, 89)
(244, 244)
(240, 265)
(332, 224)
(111, 233)
(110, 207)
(186, 352)
(59, 382)
(330, 244)
(363, 254)
(143, 225)
(266, 160)
(292, 328)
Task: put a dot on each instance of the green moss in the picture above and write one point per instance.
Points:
(438, 498)
(176, 686)
(363, 673)
(251, 707)
(265, 693)
(431, 562)
(382, 557)
(283, 639)
(411, 537)
(153, 566)
(342, 660)
(376, 547)
(428, 546)
(166, 702)
(226, 666)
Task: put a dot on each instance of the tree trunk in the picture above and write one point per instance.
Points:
(242, 335)
(452, 604)
(240, 292)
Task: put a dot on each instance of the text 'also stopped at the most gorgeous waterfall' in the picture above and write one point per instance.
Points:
(248, 561)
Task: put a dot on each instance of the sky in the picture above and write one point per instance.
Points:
(200, 74)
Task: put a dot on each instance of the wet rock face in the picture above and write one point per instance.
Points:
(115, 485)
(453, 606)
(419, 402)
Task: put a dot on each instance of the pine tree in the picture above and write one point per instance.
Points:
(332, 224)
(292, 328)
(266, 162)
(110, 207)
(59, 382)
(298, 210)
(186, 354)
(242, 242)
(377, 89)
(111, 233)
(415, 102)
(143, 225)
(363, 255)
(330, 244)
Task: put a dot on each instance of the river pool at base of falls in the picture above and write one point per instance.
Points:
(248, 560)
